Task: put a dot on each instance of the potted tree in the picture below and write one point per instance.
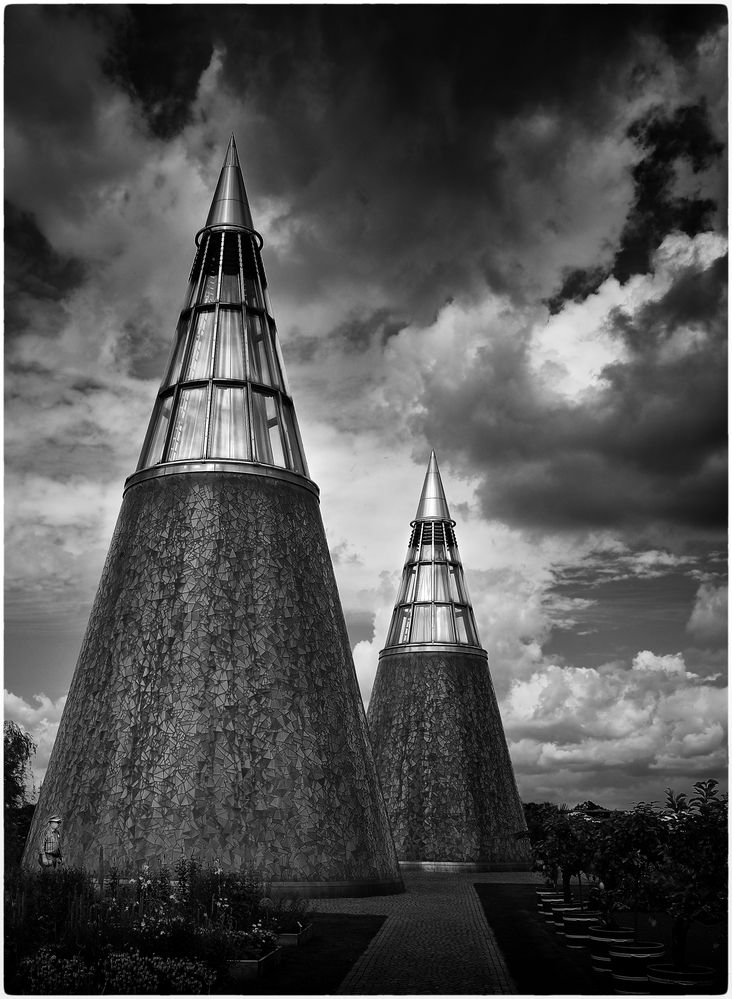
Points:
(627, 845)
(566, 848)
(629, 852)
(692, 878)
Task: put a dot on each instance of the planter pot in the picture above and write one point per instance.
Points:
(547, 894)
(546, 903)
(577, 927)
(629, 966)
(600, 941)
(665, 979)
(295, 939)
(246, 969)
(558, 910)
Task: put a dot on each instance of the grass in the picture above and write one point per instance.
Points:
(540, 962)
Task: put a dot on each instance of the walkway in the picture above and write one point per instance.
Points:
(435, 940)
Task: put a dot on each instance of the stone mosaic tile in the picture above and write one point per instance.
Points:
(443, 761)
(215, 709)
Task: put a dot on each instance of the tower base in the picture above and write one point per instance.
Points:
(443, 761)
(214, 712)
(449, 867)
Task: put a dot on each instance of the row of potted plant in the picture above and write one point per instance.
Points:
(648, 860)
(197, 926)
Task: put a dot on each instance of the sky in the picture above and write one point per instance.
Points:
(495, 231)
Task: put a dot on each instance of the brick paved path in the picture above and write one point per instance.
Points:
(435, 940)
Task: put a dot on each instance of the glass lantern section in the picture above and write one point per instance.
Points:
(224, 393)
(432, 602)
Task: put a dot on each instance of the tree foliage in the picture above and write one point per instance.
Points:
(18, 751)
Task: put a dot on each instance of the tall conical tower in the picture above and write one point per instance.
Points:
(435, 726)
(214, 710)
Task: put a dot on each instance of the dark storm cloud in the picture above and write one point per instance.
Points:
(157, 55)
(490, 59)
(648, 447)
(379, 123)
(684, 136)
(358, 332)
(34, 273)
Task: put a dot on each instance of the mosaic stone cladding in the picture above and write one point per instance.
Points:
(443, 761)
(215, 710)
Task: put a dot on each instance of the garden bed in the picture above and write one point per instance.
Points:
(319, 967)
(540, 962)
(160, 935)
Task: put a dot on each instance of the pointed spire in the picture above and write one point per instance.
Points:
(224, 395)
(432, 502)
(230, 205)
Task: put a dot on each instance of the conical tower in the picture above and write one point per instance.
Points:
(214, 711)
(435, 727)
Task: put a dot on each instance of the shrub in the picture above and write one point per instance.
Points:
(48, 973)
(132, 973)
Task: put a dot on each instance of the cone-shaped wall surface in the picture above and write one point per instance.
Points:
(435, 726)
(214, 711)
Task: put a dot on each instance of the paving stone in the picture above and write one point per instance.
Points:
(435, 940)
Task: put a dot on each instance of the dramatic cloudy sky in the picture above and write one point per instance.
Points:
(495, 231)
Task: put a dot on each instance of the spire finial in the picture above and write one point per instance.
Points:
(230, 205)
(432, 502)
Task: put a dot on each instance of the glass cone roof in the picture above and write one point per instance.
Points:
(432, 606)
(224, 396)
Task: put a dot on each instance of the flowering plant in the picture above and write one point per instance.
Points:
(220, 942)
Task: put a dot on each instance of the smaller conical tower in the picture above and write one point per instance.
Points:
(435, 726)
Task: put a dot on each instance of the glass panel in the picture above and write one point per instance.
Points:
(273, 426)
(195, 273)
(462, 632)
(210, 273)
(426, 543)
(406, 592)
(258, 356)
(413, 550)
(262, 448)
(176, 359)
(229, 434)
(190, 419)
(422, 624)
(252, 288)
(470, 625)
(439, 546)
(391, 638)
(443, 623)
(230, 290)
(154, 452)
(293, 447)
(199, 359)
(277, 372)
(457, 591)
(442, 589)
(464, 625)
(401, 624)
(424, 584)
(229, 345)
